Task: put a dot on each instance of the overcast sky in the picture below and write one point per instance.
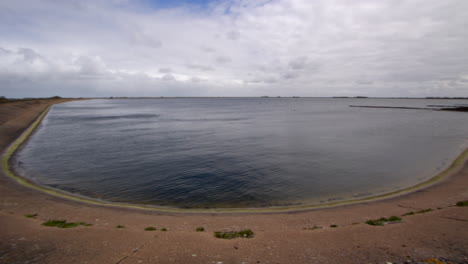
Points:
(234, 48)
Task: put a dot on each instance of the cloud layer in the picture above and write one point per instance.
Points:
(234, 48)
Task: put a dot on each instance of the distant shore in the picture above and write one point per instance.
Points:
(278, 235)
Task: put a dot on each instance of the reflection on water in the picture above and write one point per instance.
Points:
(249, 152)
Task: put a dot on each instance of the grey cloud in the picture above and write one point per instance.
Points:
(90, 65)
(223, 59)
(141, 38)
(290, 75)
(164, 70)
(365, 82)
(309, 48)
(197, 80)
(408, 76)
(298, 63)
(199, 67)
(233, 35)
(168, 77)
(5, 51)
(261, 79)
(29, 54)
(208, 49)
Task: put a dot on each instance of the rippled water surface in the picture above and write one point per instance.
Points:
(245, 152)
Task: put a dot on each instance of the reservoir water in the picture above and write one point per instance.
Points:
(240, 152)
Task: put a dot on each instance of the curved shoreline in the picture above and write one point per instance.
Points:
(454, 167)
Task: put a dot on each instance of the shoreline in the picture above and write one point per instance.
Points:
(432, 228)
(455, 166)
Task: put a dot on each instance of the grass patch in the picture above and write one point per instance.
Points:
(64, 224)
(312, 228)
(383, 220)
(462, 203)
(200, 229)
(424, 211)
(120, 226)
(31, 215)
(333, 226)
(394, 219)
(150, 228)
(377, 222)
(230, 235)
(418, 212)
(164, 229)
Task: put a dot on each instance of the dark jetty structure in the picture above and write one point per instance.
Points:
(455, 108)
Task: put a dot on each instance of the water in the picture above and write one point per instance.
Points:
(244, 152)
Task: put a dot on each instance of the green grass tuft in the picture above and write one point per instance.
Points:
(462, 203)
(394, 219)
(230, 235)
(375, 222)
(200, 229)
(120, 226)
(31, 215)
(64, 224)
(418, 212)
(150, 228)
(333, 226)
(425, 211)
(383, 220)
(164, 229)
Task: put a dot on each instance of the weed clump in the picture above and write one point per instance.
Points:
(120, 226)
(418, 212)
(462, 203)
(333, 226)
(64, 224)
(164, 229)
(394, 219)
(200, 229)
(230, 235)
(31, 215)
(383, 220)
(150, 228)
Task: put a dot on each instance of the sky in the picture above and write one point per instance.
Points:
(91, 48)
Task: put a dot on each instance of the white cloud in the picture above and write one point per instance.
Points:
(236, 48)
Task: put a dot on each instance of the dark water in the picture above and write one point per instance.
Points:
(251, 152)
